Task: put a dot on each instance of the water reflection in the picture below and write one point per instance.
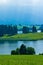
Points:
(6, 47)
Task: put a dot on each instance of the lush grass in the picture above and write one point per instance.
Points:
(21, 60)
(29, 36)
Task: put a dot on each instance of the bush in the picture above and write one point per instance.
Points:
(23, 50)
(40, 53)
(13, 52)
(30, 51)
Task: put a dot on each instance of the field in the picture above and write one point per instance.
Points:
(23, 37)
(21, 60)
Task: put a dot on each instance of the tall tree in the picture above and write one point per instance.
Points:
(23, 49)
(34, 29)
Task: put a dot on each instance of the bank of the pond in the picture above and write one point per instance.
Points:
(23, 37)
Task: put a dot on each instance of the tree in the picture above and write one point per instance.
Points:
(34, 29)
(22, 49)
(30, 51)
(41, 28)
(25, 29)
(15, 29)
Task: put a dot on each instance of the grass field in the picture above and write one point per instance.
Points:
(21, 60)
(23, 37)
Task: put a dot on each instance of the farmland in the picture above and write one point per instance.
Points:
(21, 60)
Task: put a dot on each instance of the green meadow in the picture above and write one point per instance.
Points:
(23, 37)
(21, 60)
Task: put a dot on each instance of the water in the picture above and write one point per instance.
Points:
(6, 47)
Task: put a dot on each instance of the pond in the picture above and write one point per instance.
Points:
(6, 47)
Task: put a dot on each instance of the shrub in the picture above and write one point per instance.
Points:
(23, 50)
(30, 51)
(13, 52)
(40, 53)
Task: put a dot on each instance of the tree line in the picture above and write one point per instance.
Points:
(12, 30)
(26, 29)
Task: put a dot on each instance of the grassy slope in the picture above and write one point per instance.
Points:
(21, 60)
(29, 36)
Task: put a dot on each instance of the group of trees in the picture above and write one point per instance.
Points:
(23, 51)
(26, 29)
(12, 30)
(8, 29)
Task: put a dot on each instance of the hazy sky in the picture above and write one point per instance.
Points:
(21, 11)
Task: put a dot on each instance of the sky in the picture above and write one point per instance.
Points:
(21, 12)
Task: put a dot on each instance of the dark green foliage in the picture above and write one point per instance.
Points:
(25, 29)
(10, 30)
(30, 51)
(34, 29)
(41, 54)
(17, 51)
(13, 52)
(41, 28)
(23, 51)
